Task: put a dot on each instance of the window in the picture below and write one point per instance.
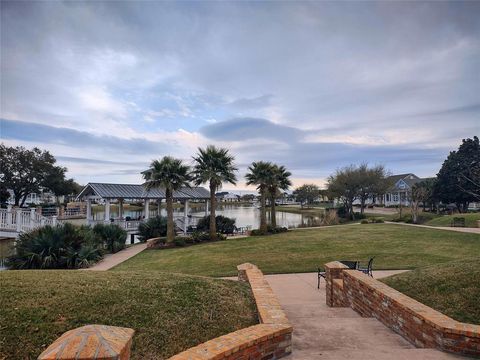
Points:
(395, 197)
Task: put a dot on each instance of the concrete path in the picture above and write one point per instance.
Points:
(448, 228)
(111, 260)
(321, 332)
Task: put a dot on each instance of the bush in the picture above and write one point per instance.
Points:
(270, 230)
(113, 236)
(379, 221)
(364, 221)
(61, 247)
(153, 228)
(179, 241)
(225, 225)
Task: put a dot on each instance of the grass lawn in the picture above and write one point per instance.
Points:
(452, 288)
(395, 247)
(170, 312)
(445, 220)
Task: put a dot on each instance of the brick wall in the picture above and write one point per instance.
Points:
(271, 339)
(420, 324)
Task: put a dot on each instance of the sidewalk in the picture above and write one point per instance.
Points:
(111, 260)
(448, 228)
(322, 332)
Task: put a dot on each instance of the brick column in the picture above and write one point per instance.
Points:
(91, 342)
(333, 270)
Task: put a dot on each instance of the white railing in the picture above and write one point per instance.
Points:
(21, 220)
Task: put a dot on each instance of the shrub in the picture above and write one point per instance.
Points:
(61, 247)
(379, 221)
(113, 236)
(179, 241)
(364, 221)
(270, 230)
(331, 217)
(153, 228)
(225, 225)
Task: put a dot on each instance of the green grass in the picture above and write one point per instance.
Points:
(395, 247)
(445, 220)
(169, 312)
(452, 288)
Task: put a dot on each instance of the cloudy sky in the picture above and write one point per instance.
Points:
(107, 87)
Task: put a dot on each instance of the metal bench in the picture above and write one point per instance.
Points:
(458, 222)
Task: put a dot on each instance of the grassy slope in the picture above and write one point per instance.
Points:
(452, 288)
(445, 220)
(395, 247)
(169, 312)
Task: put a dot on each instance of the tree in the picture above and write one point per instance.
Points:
(371, 182)
(345, 185)
(306, 194)
(170, 174)
(27, 171)
(417, 194)
(4, 194)
(214, 166)
(259, 174)
(278, 180)
(459, 178)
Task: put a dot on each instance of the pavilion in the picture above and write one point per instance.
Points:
(131, 192)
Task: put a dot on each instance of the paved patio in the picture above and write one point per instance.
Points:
(321, 332)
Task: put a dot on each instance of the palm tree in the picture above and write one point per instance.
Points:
(170, 174)
(215, 166)
(279, 180)
(259, 174)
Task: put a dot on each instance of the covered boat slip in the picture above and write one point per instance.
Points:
(121, 193)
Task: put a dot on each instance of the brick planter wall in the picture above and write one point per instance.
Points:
(271, 339)
(420, 324)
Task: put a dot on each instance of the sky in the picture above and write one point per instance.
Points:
(109, 86)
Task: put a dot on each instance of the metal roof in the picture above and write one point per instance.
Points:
(133, 191)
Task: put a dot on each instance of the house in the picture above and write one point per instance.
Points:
(398, 193)
(43, 197)
(225, 196)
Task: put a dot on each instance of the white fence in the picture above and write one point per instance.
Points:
(21, 220)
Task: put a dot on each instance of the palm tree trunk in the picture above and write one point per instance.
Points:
(170, 223)
(213, 224)
(272, 211)
(263, 212)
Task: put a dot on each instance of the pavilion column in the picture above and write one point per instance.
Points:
(107, 210)
(120, 209)
(185, 217)
(159, 207)
(206, 207)
(89, 210)
(146, 209)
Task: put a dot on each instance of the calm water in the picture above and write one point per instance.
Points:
(245, 215)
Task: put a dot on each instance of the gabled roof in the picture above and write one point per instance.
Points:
(409, 179)
(134, 191)
(395, 178)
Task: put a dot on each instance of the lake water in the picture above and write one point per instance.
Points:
(245, 215)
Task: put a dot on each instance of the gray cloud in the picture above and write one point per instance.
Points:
(249, 128)
(37, 133)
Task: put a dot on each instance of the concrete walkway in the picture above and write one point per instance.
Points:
(111, 260)
(321, 332)
(448, 228)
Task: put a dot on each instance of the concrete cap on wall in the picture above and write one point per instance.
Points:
(91, 342)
